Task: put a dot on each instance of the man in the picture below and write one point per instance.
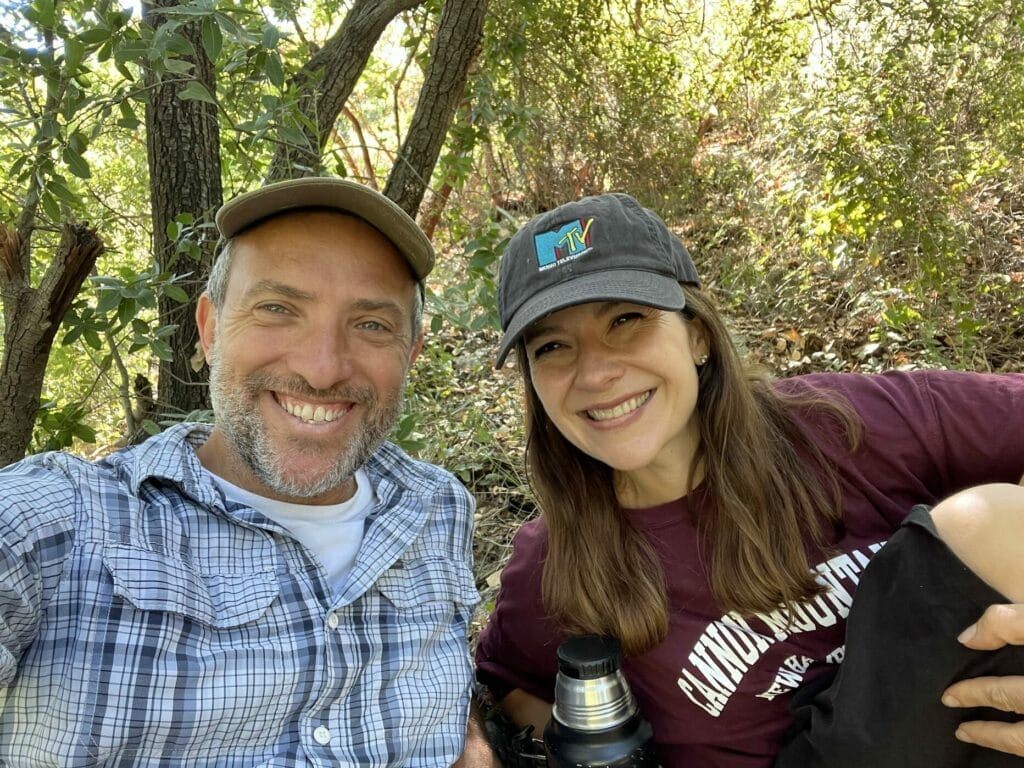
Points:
(283, 589)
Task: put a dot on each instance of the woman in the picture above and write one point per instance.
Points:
(718, 523)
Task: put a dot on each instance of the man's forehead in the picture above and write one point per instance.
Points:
(300, 218)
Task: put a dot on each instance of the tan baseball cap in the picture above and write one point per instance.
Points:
(341, 195)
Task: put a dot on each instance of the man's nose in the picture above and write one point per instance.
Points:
(323, 358)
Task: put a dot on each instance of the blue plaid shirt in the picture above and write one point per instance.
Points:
(145, 623)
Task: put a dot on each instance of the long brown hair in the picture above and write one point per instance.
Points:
(770, 488)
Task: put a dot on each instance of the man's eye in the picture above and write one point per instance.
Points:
(373, 325)
(274, 309)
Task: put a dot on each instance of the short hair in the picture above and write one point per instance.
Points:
(217, 287)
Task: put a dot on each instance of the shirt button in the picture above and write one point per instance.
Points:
(332, 620)
(322, 736)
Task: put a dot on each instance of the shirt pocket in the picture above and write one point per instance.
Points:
(413, 584)
(154, 582)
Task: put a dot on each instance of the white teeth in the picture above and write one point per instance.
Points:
(619, 410)
(308, 413)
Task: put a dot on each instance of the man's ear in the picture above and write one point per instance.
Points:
(417, 347)
(206, 321)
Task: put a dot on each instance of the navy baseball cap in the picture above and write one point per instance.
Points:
(602, 248)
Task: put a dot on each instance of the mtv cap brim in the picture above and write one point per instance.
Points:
(638, 287)
(341, 195)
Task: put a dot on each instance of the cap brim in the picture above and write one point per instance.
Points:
(647, 288)
(340, 194)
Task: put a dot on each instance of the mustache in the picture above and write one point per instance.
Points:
(257, 382)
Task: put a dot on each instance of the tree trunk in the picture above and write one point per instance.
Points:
(33, 316)
(183, 146)
(326, 81)
(455, 46)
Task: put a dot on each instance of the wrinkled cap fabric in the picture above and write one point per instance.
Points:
(341, 195)
(602, 248)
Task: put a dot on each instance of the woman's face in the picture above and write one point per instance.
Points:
(619, 382)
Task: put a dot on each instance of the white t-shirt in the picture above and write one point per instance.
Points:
(333, 532)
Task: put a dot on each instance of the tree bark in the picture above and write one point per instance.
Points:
(455, 46)
(326, 81)
(32, 317)
(183, 147)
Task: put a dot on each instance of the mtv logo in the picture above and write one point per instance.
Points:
(567, 242)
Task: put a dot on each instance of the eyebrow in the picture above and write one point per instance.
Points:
(278, 289)
(608, 307)
(380, 305)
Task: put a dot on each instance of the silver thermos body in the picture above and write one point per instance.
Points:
(595, 722)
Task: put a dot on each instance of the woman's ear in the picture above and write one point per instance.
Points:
(697, 333)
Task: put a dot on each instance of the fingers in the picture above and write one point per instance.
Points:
(1003, 693)
(999, 625)
(1005, 737)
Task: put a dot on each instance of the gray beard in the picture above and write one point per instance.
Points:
(237, 417)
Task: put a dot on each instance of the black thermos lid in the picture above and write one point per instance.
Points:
(587, 657)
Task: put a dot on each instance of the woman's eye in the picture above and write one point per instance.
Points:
(627, 317)
(543, 349)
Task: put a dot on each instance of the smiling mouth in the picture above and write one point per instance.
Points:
(309, 413)
(628, 406)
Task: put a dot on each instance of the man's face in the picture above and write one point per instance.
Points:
(308, 355)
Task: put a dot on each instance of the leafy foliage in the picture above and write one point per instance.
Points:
(847, 174)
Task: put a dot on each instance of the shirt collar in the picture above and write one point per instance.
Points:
(171, 455)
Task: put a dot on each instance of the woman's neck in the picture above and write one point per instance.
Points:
(650, 487)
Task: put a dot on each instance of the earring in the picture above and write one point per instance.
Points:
(702, 359)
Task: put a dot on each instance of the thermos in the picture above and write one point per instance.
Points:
(595, 722)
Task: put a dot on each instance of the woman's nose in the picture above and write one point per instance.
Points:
(596, 366)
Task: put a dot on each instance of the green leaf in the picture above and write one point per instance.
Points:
(94, 35)
(78, 141)
(161, 349)
(195, 91)
(74, 53)
(50, 205)
(49, 128)
(76, 163)
(274, 70)
(126, 311)
(108, 300)
(213, 39)
(271, 37)
(176, 293)
(178, 66)
(125, 72)
(60, 190)
(83, 432)
(128, 118)
(150, 427)
(74, 333)
(43, 13)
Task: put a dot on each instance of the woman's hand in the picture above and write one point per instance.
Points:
(1000, 625)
